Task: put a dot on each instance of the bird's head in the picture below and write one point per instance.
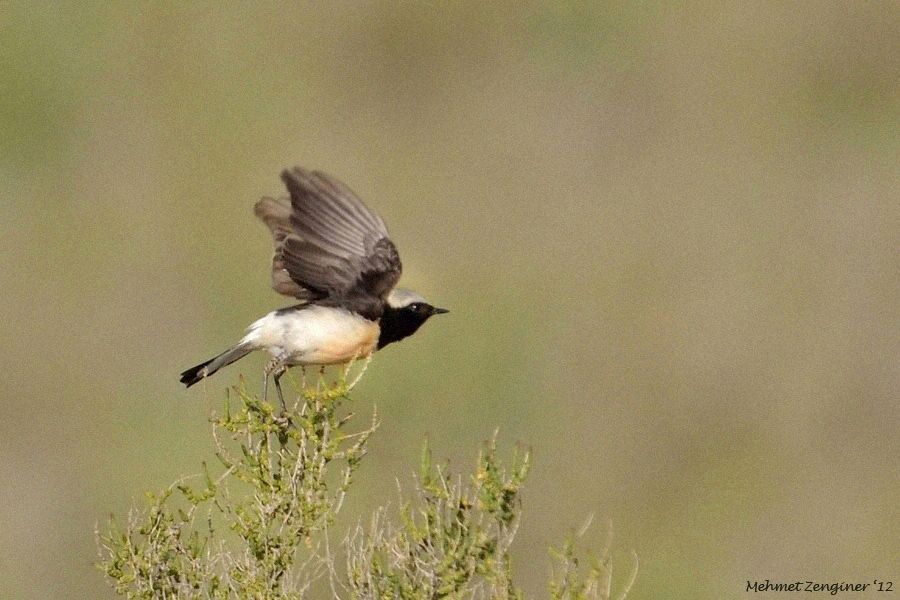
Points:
(405, 312)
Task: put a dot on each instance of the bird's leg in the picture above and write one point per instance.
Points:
(281, 370)
(272, 366)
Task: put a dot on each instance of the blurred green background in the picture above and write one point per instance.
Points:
(668, 237)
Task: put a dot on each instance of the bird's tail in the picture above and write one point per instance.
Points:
(195, 374)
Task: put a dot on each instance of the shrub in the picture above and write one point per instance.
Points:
(259, 527)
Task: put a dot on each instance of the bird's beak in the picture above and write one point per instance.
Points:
(439, 311)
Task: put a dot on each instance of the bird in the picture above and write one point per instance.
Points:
(334, 255)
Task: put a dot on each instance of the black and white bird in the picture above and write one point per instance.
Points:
(334, 255)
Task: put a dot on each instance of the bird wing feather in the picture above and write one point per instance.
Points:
(328, 244)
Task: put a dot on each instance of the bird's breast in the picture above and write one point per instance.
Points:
(354, 338)
(317, 335)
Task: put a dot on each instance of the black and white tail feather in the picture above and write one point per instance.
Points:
(205, 369)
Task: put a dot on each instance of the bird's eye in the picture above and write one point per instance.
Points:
(415, 307)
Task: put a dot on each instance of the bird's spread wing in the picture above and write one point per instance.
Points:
(327, 243)
(276, 214)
